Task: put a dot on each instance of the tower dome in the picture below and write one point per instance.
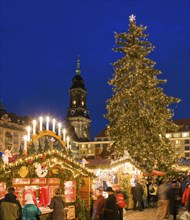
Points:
(78, 81)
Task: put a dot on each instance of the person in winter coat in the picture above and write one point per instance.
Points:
(57, 204)
(10, 207)
(99, 206)
(111, 210)
(30, 211)
(172, 195)
(163, 202)
(119, 193)
(184, 182)
(137, 193)
(186, 197)
(153, 187)
(145, 193)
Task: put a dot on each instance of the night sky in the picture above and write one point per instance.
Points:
(40, 41)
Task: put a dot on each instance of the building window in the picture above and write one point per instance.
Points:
(185, 134)
(177, 142)
(8, 137)
(97, 145)
(186, 141)
(15, 142)
(187, 148)
(187, 127)
(104, 145)
(187, 155)
(177, 148)
(15, 134)
(99, 139)
(176, 135)
(168, 135)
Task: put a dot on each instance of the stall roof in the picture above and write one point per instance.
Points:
(98, 162)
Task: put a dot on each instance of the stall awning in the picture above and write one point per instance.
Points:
(155, 173)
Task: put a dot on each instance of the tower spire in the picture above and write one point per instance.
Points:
(78, 66)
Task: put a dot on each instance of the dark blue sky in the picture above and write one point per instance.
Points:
(40, 41)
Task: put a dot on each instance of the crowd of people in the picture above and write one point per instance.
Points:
(11, 209)
(166, 195)
(110, 207)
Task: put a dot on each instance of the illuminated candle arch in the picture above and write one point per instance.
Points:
(48, 133)
(32, 137)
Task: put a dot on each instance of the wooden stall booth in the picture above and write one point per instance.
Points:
(41, 174)
(111, 172)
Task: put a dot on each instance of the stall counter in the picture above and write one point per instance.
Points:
(46, 213)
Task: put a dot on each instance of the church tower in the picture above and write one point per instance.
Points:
(77, 112)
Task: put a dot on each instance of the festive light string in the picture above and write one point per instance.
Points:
(63, 166)
(50, 153)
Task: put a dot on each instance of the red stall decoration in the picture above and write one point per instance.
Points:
(155, 173)
(70, 191)
(2, 189)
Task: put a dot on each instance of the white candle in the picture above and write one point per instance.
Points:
(41, 120)
(53, 126)
(67, 142)
(34, 126)
(25, 142)
(47, 123)
(64, 133)
(28, 133)
(59, 128)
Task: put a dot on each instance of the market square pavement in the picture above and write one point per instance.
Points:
(146, 214)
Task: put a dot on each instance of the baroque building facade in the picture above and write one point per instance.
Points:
(12, 130)
(181, 139)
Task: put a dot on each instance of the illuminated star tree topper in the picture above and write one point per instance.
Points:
(132, 18)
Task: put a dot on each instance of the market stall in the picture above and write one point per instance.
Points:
(41, 172)
(110, 172)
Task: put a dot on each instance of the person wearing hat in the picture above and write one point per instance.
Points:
(30, 211)
(186, 197)
(111, 209)
(57, 204)
(10, 207)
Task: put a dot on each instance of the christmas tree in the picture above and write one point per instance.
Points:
(139, 111)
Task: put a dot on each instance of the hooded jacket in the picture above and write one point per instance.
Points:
(30, 211)
(10, 208)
